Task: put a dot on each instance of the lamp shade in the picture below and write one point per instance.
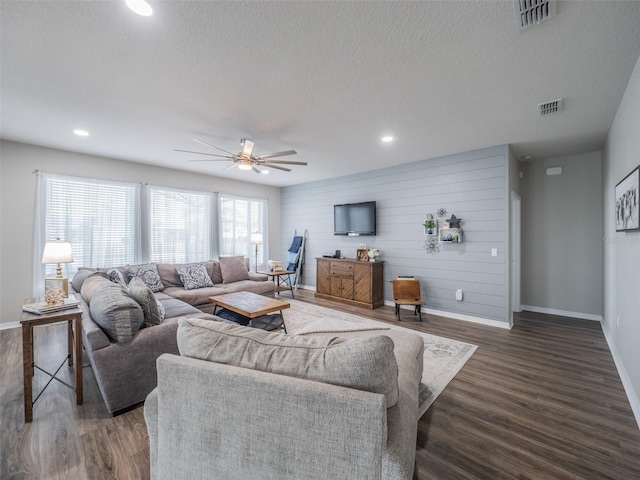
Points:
(256, 238)
(57, 251)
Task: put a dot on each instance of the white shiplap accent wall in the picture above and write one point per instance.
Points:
(471, 185)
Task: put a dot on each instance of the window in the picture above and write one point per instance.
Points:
(180, 225)
(97, 217)
(239, 217)
(117, 223)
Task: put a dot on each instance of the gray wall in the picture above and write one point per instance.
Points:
(17, 202)
(562, 261)
(472, 185)
(622, 250)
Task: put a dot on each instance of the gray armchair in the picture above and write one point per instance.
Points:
(213, 420)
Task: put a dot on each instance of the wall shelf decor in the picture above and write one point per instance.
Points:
(451, 235)
(432, 246)
(430, 225)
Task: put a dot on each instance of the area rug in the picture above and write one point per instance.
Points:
(443, 358)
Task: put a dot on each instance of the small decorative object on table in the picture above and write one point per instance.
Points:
(275, 265)
(373, 254)
(55, 297)
(362, 254)
(41, 308)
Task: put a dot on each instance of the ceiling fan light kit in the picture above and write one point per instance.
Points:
(246, 160)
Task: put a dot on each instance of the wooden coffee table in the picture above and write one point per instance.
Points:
(250, 305)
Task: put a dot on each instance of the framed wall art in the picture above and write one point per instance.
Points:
(627, 214)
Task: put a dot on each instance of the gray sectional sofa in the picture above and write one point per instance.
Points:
(126, 328)
(272, 406)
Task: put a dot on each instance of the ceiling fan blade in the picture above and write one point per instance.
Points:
(247, 147)
(230, 167)
(200, 153)
(209, 160)
(268, 165)
(285, 162)
(212, 146)
(277, 154)
(253, 167)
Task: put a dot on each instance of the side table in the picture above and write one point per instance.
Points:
(281, 283)
(73, 317)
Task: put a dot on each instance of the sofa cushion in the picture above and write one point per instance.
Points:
(175, 308)
(148, 272)
(144, 296)
(199, 296)
(364, 363)
(252, 286)
(79, 278)
(233, 269)
(168, 275)
(213, 269)
(119, 315)
(194, 275)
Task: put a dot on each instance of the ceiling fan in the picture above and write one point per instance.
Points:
(246, 160)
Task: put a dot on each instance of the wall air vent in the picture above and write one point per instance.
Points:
(549, 108)
(532, 12)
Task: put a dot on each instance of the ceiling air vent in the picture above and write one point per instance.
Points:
(532, 12)
(549, 108)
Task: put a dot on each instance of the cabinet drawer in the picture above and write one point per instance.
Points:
(341, 270)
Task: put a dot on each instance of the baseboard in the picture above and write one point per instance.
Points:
(624, 376)
(562, 313)
(457, 316)
(7, 326)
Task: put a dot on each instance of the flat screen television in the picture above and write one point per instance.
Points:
(354, 219)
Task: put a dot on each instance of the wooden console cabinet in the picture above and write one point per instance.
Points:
(350, 281)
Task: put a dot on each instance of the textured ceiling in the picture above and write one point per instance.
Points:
(325, 78)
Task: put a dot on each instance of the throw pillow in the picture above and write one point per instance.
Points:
(116, 276)
(119, 315)
(365, 363)
(79, 278)
(142, 294)
(233, 269)
(148, 273)
(194, 275)
(213, 269)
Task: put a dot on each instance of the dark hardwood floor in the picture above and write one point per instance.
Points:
(541, 401)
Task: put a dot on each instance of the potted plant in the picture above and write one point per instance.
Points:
(429, 226)
(373, 254)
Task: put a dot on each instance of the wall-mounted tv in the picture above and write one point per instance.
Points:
(354, 219)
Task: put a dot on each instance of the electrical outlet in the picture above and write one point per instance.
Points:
(494, 252)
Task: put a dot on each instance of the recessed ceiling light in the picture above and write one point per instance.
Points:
(81, 133)
(264, 172)
(526, 157)
(387, 139)
(140, 7)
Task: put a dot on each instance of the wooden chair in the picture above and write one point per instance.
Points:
(407, 292)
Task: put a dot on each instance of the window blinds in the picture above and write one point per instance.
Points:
(180, 224)
(97, 217)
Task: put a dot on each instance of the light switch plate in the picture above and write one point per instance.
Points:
(494, 252)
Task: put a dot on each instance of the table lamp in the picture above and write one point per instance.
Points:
(57, 252)
(256, 239)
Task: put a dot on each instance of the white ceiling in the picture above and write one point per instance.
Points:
(327, 79)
